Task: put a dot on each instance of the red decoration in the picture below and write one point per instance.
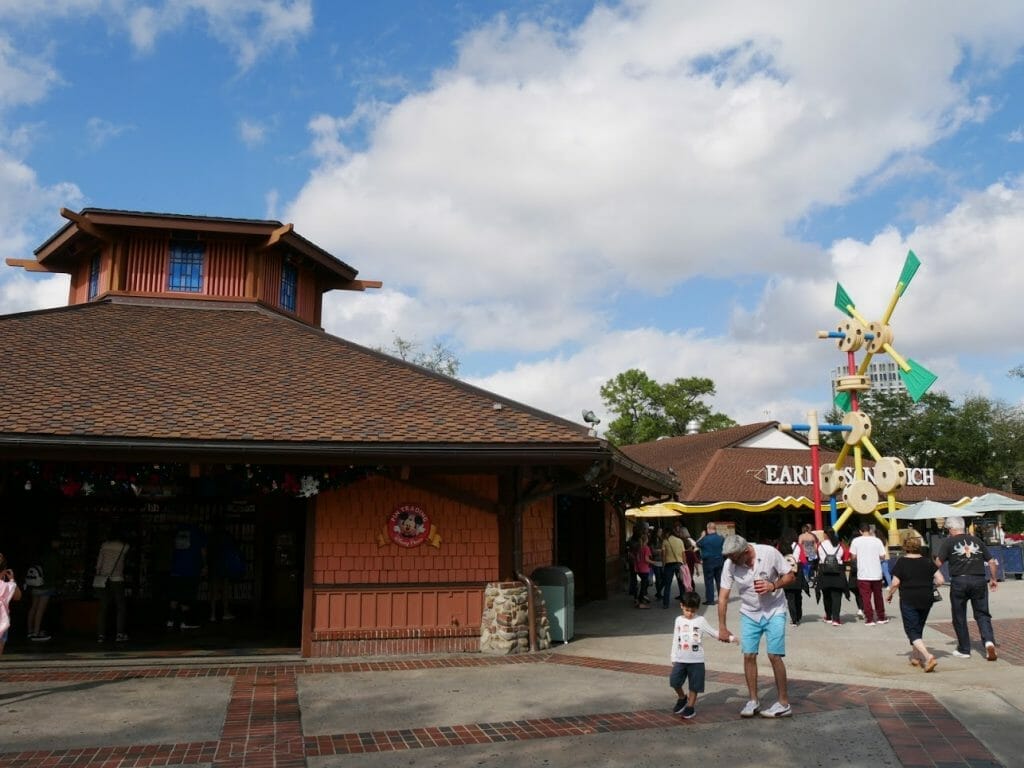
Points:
(408, 526)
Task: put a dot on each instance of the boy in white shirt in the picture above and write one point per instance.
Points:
(688, 654)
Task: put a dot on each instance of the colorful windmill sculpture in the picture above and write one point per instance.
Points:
(861, 490)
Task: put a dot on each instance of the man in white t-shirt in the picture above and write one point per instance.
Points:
(868, 552)
(759, 573)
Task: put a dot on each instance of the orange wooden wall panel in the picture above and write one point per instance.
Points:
(366, 608)
(360, 584)
(147, 264)
(351, 522)
(225, 271)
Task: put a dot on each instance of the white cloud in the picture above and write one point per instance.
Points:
(658, 141)
(250, 29)
(549, 170)
(24, 79)
(252, 132)
(21, 292)
(27, 207)
(100, 131)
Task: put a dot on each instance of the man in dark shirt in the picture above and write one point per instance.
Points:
(968, 557)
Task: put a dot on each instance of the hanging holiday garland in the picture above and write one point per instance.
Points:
(168, 479)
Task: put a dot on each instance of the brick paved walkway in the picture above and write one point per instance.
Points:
(263, 724)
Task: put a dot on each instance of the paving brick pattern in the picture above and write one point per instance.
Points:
(263, 725)
(1009, 636)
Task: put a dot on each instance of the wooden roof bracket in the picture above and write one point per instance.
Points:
(276, 235)
(85, 225)
(29, 265)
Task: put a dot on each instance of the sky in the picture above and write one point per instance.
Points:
(560, 190)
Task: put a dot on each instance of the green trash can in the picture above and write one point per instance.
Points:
(556, 584)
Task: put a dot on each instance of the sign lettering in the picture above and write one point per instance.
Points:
(803, 474)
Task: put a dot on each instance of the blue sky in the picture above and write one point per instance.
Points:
(561, 190)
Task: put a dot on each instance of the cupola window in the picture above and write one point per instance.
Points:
(186, 269)
(94, 276)
(289, 286)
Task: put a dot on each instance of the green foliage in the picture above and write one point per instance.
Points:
(439, 358)
(1013, 522)
(646, 410)
(977, 440)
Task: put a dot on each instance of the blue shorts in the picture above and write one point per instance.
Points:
(692, 671)
(774, 629)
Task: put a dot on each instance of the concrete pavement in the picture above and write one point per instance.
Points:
(602, 699)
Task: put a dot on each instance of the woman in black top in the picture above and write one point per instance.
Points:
(916, 577)
(833, 584)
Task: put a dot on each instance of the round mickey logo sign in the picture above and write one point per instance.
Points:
(408, 526)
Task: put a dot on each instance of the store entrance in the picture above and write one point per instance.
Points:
(243, 590)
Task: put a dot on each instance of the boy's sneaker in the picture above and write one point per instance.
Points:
(186, 625)
(860, 614)
(121, 638)
(778, 710)
(990, 650)
(679, 707)
(688, 712)
(40, 637)
(961, 655)
(869, 623)
(883, 621)
(750, 709)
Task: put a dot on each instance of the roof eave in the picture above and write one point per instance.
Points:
(146, 449)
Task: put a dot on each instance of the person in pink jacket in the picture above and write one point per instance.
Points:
(9, 591)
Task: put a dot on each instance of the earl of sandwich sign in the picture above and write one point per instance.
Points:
(803, 474)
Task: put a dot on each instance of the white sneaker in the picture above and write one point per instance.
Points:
(990, 651)
(778, 710)
(860, 614)
(883, 621)
(750, 709)
(961, 655)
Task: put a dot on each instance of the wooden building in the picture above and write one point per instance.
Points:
(758, 480)
(189, 380)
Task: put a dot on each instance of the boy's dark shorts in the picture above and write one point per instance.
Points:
(692, 671)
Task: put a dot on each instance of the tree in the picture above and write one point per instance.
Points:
(439, 358)
(646, 410)
(977, 440)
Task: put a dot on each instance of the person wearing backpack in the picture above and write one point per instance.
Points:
(831, 576)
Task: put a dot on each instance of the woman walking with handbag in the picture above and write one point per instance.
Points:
(109, 583)
(916, 578)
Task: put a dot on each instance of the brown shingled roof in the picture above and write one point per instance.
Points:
(714, 467)
(128, 369)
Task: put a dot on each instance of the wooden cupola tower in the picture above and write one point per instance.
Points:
(112, 253)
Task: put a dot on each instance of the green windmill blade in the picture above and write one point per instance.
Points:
(843, 401)
(918, 379)
(843, 300)
(909, 270)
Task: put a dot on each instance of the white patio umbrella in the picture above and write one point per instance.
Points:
(929, 510)
(993, 502)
